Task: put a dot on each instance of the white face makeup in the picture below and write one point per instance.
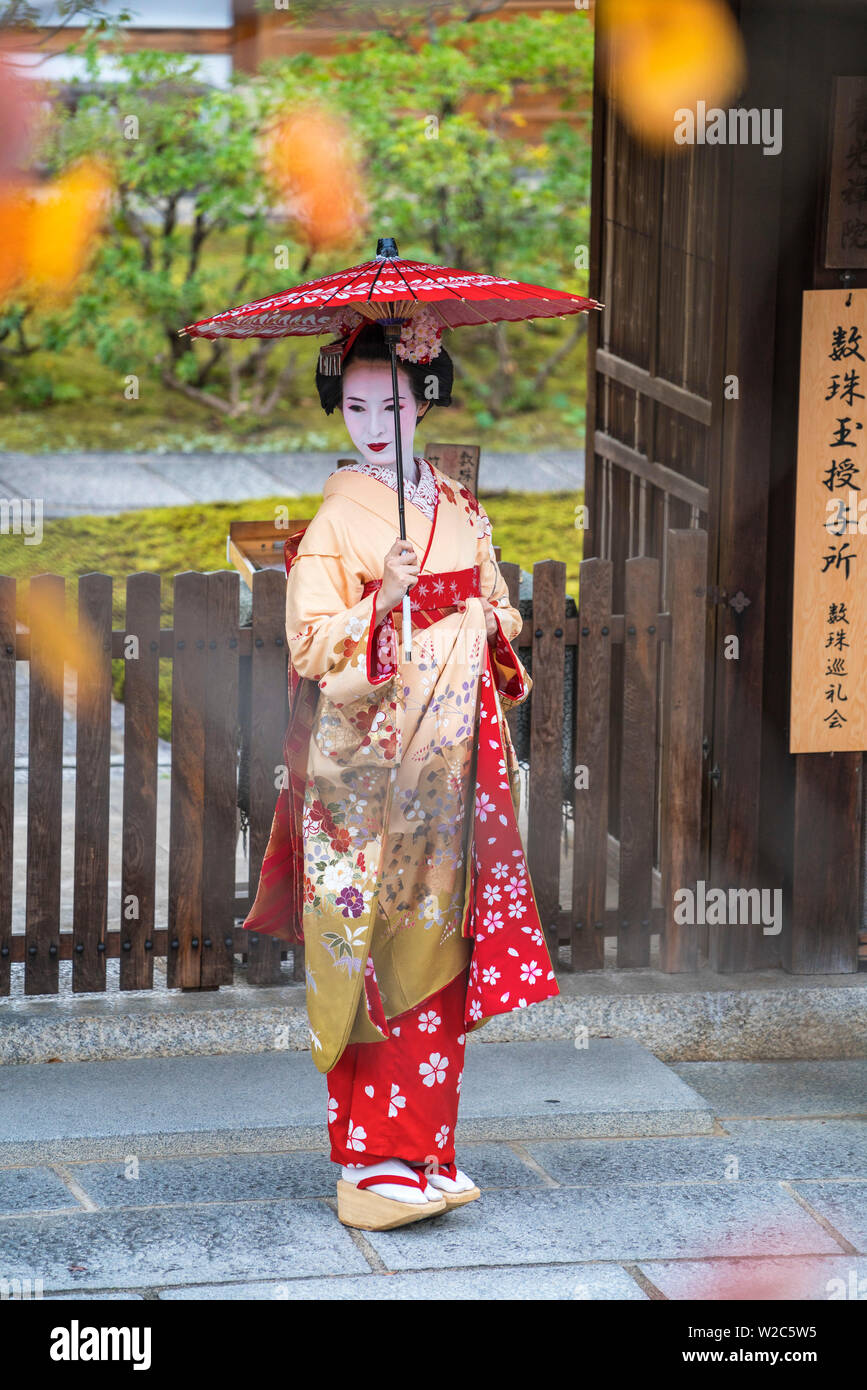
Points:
(368, 410)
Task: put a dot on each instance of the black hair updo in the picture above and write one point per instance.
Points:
(370, 346)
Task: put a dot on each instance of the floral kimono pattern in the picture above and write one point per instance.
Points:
(408, 866)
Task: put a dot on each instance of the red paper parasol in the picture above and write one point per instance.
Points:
(391, 290)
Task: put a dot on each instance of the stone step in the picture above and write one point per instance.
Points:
(274, 1101)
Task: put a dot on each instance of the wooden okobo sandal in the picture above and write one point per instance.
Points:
(370, 1211)
(454, 1199)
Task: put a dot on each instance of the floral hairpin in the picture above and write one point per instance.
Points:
(420, 340)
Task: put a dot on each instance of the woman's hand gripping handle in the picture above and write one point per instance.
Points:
(400, 572)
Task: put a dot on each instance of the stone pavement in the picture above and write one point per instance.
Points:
(768, 1200)
(75, 484)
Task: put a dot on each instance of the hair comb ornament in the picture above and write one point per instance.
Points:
(420, 341)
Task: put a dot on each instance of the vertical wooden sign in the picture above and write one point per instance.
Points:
(846, 208)
(829, 613)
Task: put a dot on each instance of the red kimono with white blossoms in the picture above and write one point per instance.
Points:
(395, 846)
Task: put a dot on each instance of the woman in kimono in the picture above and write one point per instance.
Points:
(395, 840)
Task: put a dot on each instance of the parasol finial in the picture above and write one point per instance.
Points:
(386, 249)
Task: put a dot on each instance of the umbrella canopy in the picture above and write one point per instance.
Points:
(390, 287)
(391, 290)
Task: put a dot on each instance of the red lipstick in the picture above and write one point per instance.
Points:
(377, 447)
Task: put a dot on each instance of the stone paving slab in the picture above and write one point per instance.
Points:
(242, 1177)
(789, 1149)
(812, 1278)
(77, 484)
(843, 1204)
(637, 1222)
(780, 1088)
(104, 482)
(96, 1296)
(233, 477)
(159, 1245)
(582, 1281)
(511, 1090)
(32, 1189)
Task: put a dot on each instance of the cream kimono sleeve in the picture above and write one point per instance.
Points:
(512, 680)
(334, 640)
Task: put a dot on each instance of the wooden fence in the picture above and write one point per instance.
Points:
(622, 875)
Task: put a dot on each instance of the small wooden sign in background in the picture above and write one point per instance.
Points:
(846, 207)
(829, 612)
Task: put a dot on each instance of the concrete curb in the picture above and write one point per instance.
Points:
(668, 1015)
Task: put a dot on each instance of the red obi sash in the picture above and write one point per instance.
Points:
(437, 591)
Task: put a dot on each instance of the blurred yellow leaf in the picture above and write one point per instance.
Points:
(664, 55)
(64, 221)
(309, 161)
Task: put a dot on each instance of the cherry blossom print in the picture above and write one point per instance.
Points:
(332, 1110)
(355, 1137)
(429, 1022)
(434, 1069)
(415, 1092)
(509, 947)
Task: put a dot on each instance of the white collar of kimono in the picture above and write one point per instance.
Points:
(422, 494)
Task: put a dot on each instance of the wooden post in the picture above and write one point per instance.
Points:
(826, 896)
(45, 783)
(140, 747)
(186, 835)
(92, 771)
(221, 779)
(8, 657)
(546, 743)
(592, 729)
(637, 768)
(268, 719)
(680, 830)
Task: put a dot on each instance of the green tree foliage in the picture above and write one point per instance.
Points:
(191, 231)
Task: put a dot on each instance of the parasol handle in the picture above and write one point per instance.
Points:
(407, 629)
(392, 336)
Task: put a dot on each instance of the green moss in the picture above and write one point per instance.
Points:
(169, 540)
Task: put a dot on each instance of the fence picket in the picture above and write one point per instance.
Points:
(546, 742)
(592, 729)
(8, 656)
(638, 761)
(47, 603)
(140, 748)
(268, 718)
(186, 836)
(92, 772)
(221, 779)
(680, 811)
